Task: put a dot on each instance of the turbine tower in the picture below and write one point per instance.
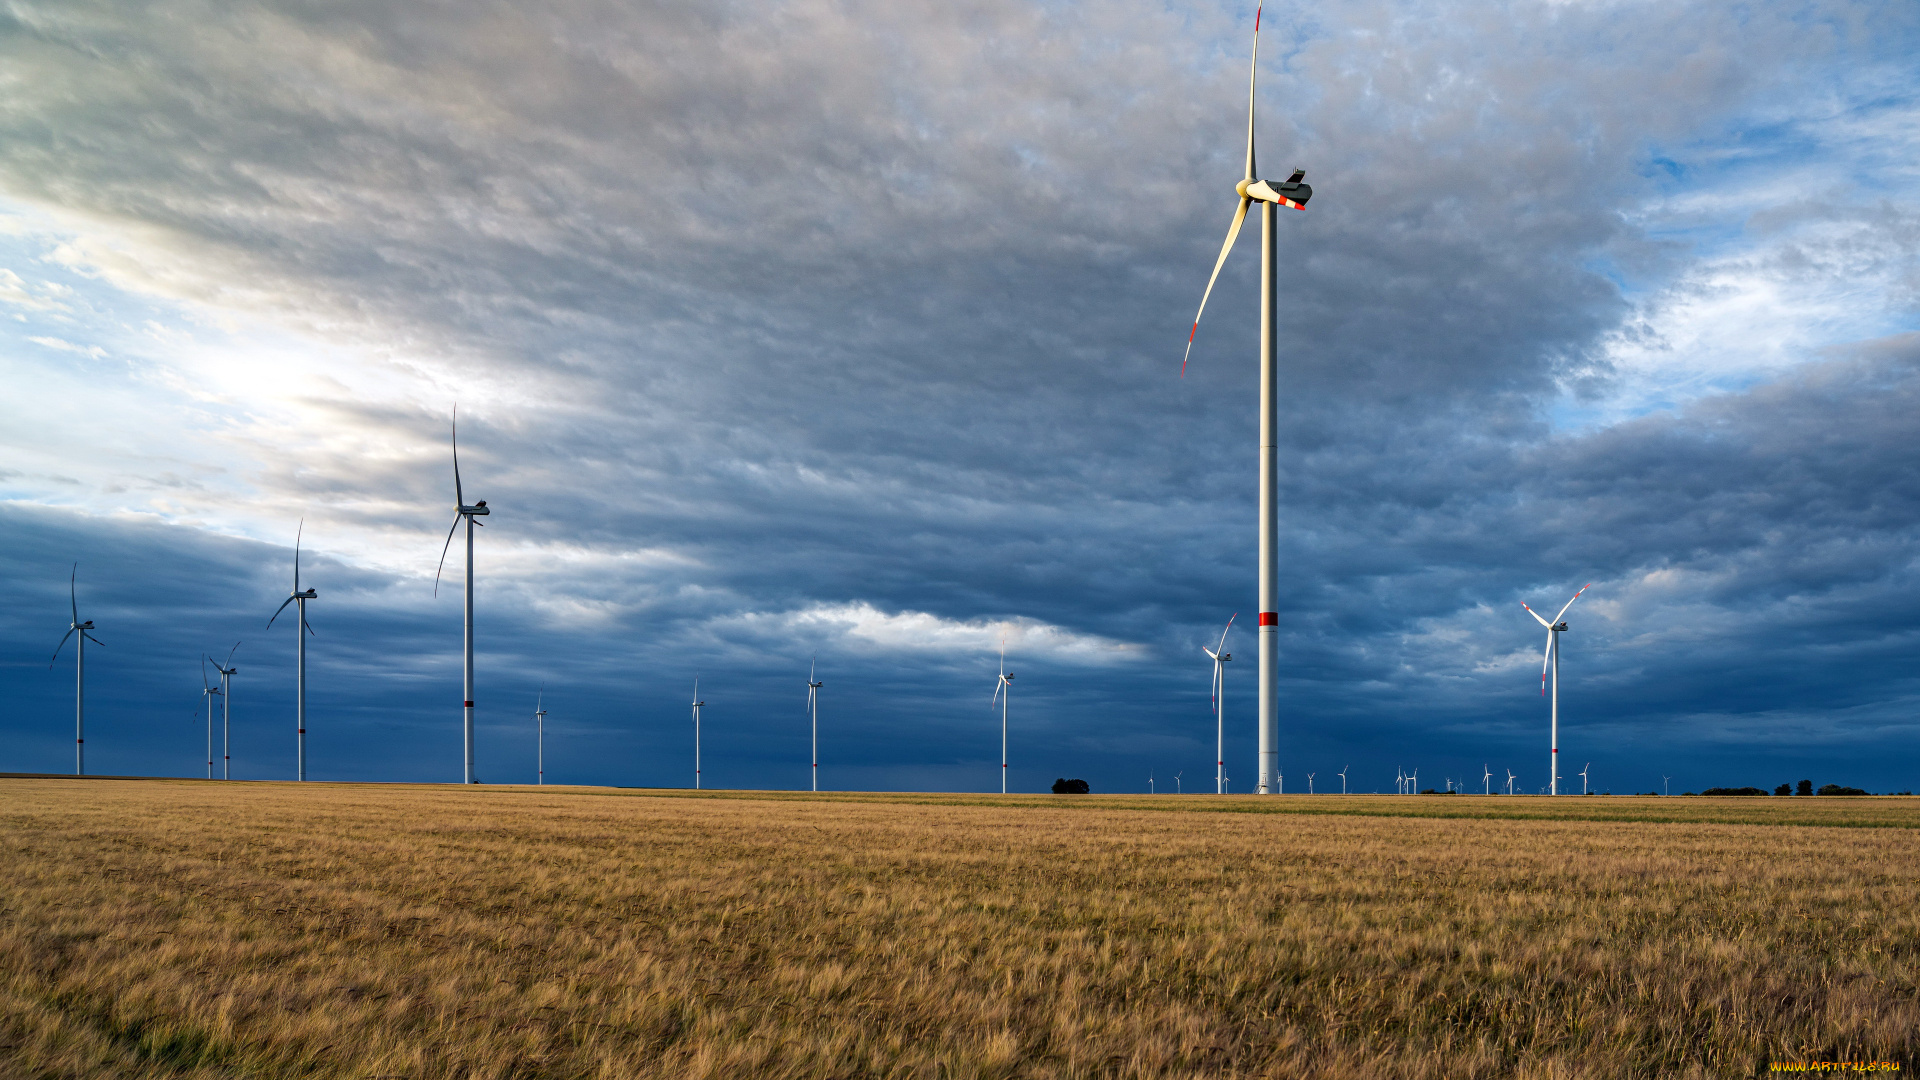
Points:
(1552, 659)
(226, 671)
(1291, 193)
(1220, 656)
(813, 710)
(209, 692)
(540, 728)
(1002, 692)
(79, 670)
(299, 599)
(463, 512)
(697, 703)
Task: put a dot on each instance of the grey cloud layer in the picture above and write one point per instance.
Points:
(837, 303)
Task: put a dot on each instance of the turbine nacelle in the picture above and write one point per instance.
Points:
(1290, 192)
(477, 509)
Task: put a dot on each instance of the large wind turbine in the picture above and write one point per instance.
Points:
(208, 691)
(697, 703)
(813, 710)
(1220, 656)
(1002, 693)
(1552, 659)
(79, 670)
(1271, 197)
(540, 735)
(227, 672)
(1486, 780)
(300, 662)
(463, 512)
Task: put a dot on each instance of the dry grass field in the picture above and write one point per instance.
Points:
(176, 929)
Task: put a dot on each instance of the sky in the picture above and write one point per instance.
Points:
(848, 334)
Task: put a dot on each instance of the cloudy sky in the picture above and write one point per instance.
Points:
(853, 330)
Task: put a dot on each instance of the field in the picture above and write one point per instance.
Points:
(179, 928)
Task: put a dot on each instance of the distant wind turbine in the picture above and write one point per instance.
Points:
(1220, 656)
(463, 512)
(1150, 790)
(1002, 693)
(1552, 659)
(540, 728)
(209, 692)
(227, 672)
(1413, 782)
(1666, 786)
(299, 599)
(1176, 782)
(1291, 193)
(1309, 783)
(1583, 777)
(697, 704)
(1343, 779)
(79, 669)
(1486, 780)
(813, 710)
(1510, 779)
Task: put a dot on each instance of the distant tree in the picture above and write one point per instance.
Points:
(1805, 788)
(1836, 789)
(1783, 789)
(1734, 791)
(1430, 791)
(1064, 786)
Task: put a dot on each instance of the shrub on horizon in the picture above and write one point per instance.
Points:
(1837, 789)
(1734, 791)
(1064, 786)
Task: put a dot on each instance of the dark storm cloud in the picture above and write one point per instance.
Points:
(829, 304)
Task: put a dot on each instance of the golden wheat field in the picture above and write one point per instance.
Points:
(193, 929)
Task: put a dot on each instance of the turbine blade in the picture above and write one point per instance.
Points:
(93, 639)
(278, 610)
(73, 593)
(444, 548)
(230, 652)
(296, 553)
(1233, 233)
(1253, 69)
(459, 499)
(62, 645)
(1569, 603)
(204, 684)
(1223, 634)
(308, 625)
(1545, 659)
(1537, 618)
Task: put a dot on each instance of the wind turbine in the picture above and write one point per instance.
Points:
(540, 722)
(300, 661)
(1399, 781)
(1002, 692)
(1666, 786)
(227, 671)
(79, 670)
(463, 512)
(697, 703)
(1583, 777)
(1294, 194)
(1552, 658)
(1309, 783)
(1486, 781)
(209, 692)
(1343, 779)
(1220, 657)
(1176, 782)
(1150, 790)
(813, 710)
(1413, 782)
(1510, 781)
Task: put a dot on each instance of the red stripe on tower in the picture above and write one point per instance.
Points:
(469, 704)
(1269, 618)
